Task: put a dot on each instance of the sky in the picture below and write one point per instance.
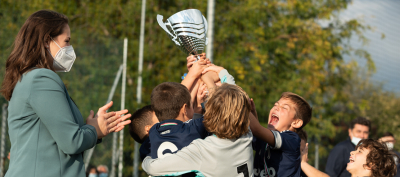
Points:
(384, 17)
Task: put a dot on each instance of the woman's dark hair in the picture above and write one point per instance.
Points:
(29, 49)
(379, 159)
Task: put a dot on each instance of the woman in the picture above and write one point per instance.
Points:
(47, 132)
(371, 158)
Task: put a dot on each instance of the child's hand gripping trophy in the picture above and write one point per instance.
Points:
(194, 73)
(190, 60)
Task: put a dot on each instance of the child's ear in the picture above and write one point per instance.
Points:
(297, 123)
(368, 167)
(183, 114)
(147, 129)
(184, 109)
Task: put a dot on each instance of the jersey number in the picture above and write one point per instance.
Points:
(243, 169)
(166, 148)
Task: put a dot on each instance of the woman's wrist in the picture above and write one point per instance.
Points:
(97, 128)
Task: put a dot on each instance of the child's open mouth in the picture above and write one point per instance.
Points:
(351, 160)
(274, 119)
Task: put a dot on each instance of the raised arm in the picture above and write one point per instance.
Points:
(223, 74)
(189, 158)
(194, 74)
(200, 97)
(261, 132)
(309, 170)
(253, 108)
(193, 92)
(208, 79)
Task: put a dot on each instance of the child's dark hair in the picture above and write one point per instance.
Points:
(362, 121)
(139, 120)
(168, 98)
(302, 134)
(379, 159)
(303, 109)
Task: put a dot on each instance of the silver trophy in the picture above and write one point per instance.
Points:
(187, 29)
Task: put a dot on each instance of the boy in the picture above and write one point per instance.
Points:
(141, 122)
(171, 104)
(227, 152)
(278, 147)
(370, 158)
(303, 148)
(303, 143)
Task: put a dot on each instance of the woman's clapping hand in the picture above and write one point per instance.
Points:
(106, 123)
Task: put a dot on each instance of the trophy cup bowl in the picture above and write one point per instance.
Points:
(187, 29)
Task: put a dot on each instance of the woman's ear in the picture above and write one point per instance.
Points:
(47, 43)
(297, 123)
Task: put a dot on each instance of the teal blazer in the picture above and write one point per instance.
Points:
(46, 129)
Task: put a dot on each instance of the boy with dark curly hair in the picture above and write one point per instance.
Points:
(371, 158)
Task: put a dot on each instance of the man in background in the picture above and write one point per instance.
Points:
(340, 154)
(389, 140)
(103, 171)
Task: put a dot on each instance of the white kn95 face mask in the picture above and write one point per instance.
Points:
(64, 58)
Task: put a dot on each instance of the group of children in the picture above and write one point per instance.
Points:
(207, 126)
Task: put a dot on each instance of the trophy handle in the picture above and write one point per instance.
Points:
(205, 24)
(163, 26)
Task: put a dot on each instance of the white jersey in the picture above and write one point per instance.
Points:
(212, 156)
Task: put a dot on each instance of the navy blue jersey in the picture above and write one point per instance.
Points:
(302, 174)
(396, 160)
(170, 136)
(283, 160)
(145, 148)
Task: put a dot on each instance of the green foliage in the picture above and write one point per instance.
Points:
(268, 46)
(369, 100)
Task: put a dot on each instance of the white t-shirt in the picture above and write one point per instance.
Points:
(212, 156)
